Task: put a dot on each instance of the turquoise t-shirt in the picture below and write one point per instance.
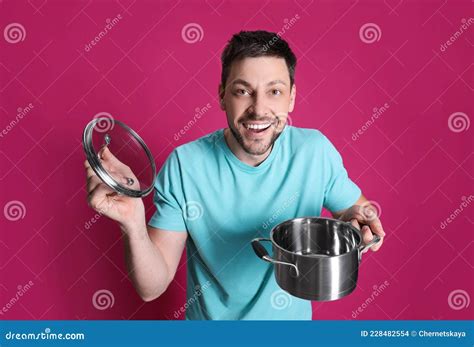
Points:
(222, 203)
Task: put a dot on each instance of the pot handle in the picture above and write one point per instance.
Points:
(375, 239)
(262, 253)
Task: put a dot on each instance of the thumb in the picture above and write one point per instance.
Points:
(106, 155)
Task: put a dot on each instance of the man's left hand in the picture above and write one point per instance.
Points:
(365, 216)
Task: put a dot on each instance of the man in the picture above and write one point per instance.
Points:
(219, 192)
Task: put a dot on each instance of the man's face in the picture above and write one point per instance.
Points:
(257, 100)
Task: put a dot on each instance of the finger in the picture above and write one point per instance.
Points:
(358, 218)
(106, 155)
(102, 189)
(358, 213)
(92, 180)
(101, 198)
(92, 183)
(110, 161)
(367, 236)
(355, 224)
(104, 158)
(101, 152)
(376, 227)
(86, 164)
(377, 246)
(90, 173)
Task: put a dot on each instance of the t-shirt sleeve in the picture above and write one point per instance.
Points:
(341, 192)
(167, 193)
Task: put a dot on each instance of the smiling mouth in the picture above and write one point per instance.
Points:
(257, 127)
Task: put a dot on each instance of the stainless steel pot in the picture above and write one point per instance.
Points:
(315, 258)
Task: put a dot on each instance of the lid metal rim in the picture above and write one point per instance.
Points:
(99, 169)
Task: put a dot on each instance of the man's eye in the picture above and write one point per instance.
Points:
(276, 92)
(241, 92)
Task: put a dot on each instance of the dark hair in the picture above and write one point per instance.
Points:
(258, 43)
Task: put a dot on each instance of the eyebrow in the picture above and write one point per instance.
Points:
(247, 84)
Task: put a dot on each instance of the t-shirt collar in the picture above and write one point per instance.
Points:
(248, 168)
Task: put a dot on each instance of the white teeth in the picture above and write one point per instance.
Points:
(257, 126)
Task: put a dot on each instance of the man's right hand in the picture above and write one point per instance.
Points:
(152, 255)
(127, 211)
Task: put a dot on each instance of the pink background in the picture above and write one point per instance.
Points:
(410, 161)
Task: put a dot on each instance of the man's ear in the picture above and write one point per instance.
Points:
(292, 98)
(221, 92)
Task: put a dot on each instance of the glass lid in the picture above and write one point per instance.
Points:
(119, 157)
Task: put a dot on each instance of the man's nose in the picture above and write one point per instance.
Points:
(259, 106)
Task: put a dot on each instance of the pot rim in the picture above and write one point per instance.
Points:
(356, 248)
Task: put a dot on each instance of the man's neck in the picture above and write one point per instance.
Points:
(240, 153)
